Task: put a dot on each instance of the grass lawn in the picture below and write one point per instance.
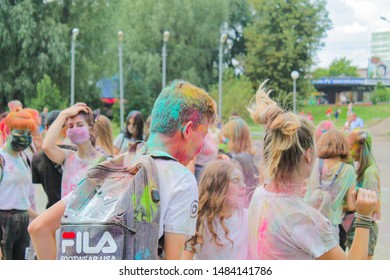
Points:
(370, 114)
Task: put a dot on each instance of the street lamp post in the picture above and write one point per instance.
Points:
(385, 19)
(295, 76)
(220, 74)
(164, 58)
(75, 32)
(120, 54)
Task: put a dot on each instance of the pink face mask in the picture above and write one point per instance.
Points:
(78, 135)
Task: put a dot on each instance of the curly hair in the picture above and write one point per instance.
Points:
(213, 187)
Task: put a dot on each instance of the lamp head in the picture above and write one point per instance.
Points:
(166, 36)
(223, 38)
(120, 36)
(294, 75)
(75, 32)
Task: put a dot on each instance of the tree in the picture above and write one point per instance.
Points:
(31, 45)
(339, 67)
(48, 95)
(284, 36)
(237, 94)
(194, 27)
(380, 94)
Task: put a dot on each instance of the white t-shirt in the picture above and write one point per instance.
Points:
(178, 198)
(122, 143)
(283, 227)
(16, 188)
(238, 233)
(74, 170)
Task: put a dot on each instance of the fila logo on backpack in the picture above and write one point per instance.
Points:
(114, 213)
(87, 245)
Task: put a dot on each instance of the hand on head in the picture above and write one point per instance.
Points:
(76, 109)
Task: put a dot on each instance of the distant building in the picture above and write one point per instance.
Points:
(380, 45)
(335, 89)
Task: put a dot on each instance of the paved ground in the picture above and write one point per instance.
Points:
(381, 150)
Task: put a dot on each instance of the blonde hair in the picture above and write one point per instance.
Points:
(213, 186)
(238, 133)
(287, 136)
(104, 136)
(333, 144)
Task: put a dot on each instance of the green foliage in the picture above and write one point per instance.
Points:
(339, 67)
(283, 37)
(380, 94)
(237, 93)
(31, 44)
(48, 95)
(192, 47)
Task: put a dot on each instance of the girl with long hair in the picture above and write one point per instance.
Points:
(221, 228)
(239, 145)
(104, 139)
(17, 193)
(281, 224)
(134, 130)
(368, 178)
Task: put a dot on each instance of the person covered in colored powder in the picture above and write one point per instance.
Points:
(181, 116)
(17, 193)
(368, 178)
(221, 228)
(80, 124)
(281, 225)
(332, 180)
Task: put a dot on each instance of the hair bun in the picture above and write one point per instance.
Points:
(288, 123)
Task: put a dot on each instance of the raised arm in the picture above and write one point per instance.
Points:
(365, 205)
(49, 146)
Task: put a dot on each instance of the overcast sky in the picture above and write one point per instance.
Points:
(353, 22)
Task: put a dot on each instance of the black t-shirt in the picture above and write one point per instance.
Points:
(49, 174)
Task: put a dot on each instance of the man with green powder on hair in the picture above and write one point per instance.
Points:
(180, 119)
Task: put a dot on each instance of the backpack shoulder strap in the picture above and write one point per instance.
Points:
(320, 167)
(337, 174)
(2, 164)
(123, 140)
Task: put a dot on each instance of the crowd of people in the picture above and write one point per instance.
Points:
(314, 195)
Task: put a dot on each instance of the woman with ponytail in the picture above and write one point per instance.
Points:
(17, 193)
(281, 224)
(368, 178)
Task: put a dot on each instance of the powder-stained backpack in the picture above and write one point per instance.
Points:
(322, 196)
(114, 213)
